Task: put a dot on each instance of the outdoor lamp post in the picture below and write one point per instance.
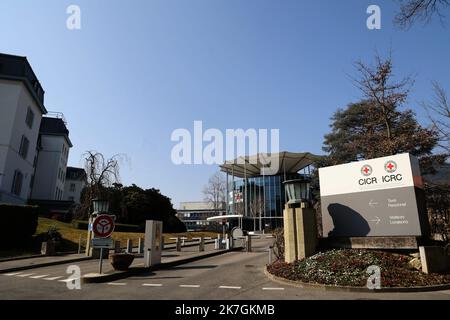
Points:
(100, 205)
(297, 191)
(299, 221)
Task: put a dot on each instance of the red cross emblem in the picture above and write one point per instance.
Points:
(390, 166)
(366, 170)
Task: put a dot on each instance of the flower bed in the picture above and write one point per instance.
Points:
(348, 267)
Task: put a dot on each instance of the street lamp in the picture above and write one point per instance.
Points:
(100, 205)
(297, 191)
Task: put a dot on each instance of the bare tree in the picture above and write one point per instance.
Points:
(214, 191)
(438, 112)
(256, 208)
(101, 174)
(377, 85)
(420, 10)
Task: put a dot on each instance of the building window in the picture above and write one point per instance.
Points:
(17, 183)
(24, 144)
(72, 187)
(30, 118)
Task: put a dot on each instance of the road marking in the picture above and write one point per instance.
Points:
(12, 274)
(152, 284)
(68, 279)
(273, 288)
(41, 276)
(116, 283)
(25, 275)
(189, 286)
(229, 287)
(53, 278)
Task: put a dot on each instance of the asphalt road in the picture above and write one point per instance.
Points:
(235, 276)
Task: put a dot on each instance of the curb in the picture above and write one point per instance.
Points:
(45, 264)
(327, 287)
(22, 258)
(140, 270)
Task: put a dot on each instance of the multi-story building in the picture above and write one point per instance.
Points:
(194, 215)
(53, 153)
(260, 198)
(21, 110)
(75, 182)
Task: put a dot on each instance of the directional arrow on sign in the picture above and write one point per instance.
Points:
(372, 203)
(377, 220)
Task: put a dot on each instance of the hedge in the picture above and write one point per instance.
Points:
(17, 225)
(119, 227)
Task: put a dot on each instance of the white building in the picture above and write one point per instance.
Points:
(21, 110)
(195, 214)
(53, 153)
(75, 182)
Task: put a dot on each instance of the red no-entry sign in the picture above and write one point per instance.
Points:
(103, 226)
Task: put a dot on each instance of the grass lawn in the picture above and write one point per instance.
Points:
(71, 237)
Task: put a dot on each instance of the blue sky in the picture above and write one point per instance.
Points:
(137, 70)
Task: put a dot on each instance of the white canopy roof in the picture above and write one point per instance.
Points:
(251, 166)
(224, 217)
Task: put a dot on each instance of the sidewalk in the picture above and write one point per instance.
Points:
(169, 258)
(41, 261)
(169, 255)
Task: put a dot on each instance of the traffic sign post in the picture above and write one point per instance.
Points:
(102, 227)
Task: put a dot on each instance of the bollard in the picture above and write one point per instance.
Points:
(178, 244)
(79, 245)
(141, 245)
(216, 244)
(162, 243)
(249, 243)
(129, 246)
(117, 246)
(201, 246)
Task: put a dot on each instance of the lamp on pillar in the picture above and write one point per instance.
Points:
(297, 191)
(300, 234)
(100, 205)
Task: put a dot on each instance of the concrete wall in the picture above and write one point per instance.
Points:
(14, 101)
(49, 183)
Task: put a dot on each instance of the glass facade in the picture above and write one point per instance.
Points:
(260, 199)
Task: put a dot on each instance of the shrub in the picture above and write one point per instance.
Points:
(18, 225)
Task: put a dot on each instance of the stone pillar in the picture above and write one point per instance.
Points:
(153, 240)
(300, 232)
(306, 232)
(290, 243)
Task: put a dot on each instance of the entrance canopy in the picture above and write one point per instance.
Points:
(224, 217)
(251, 166)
